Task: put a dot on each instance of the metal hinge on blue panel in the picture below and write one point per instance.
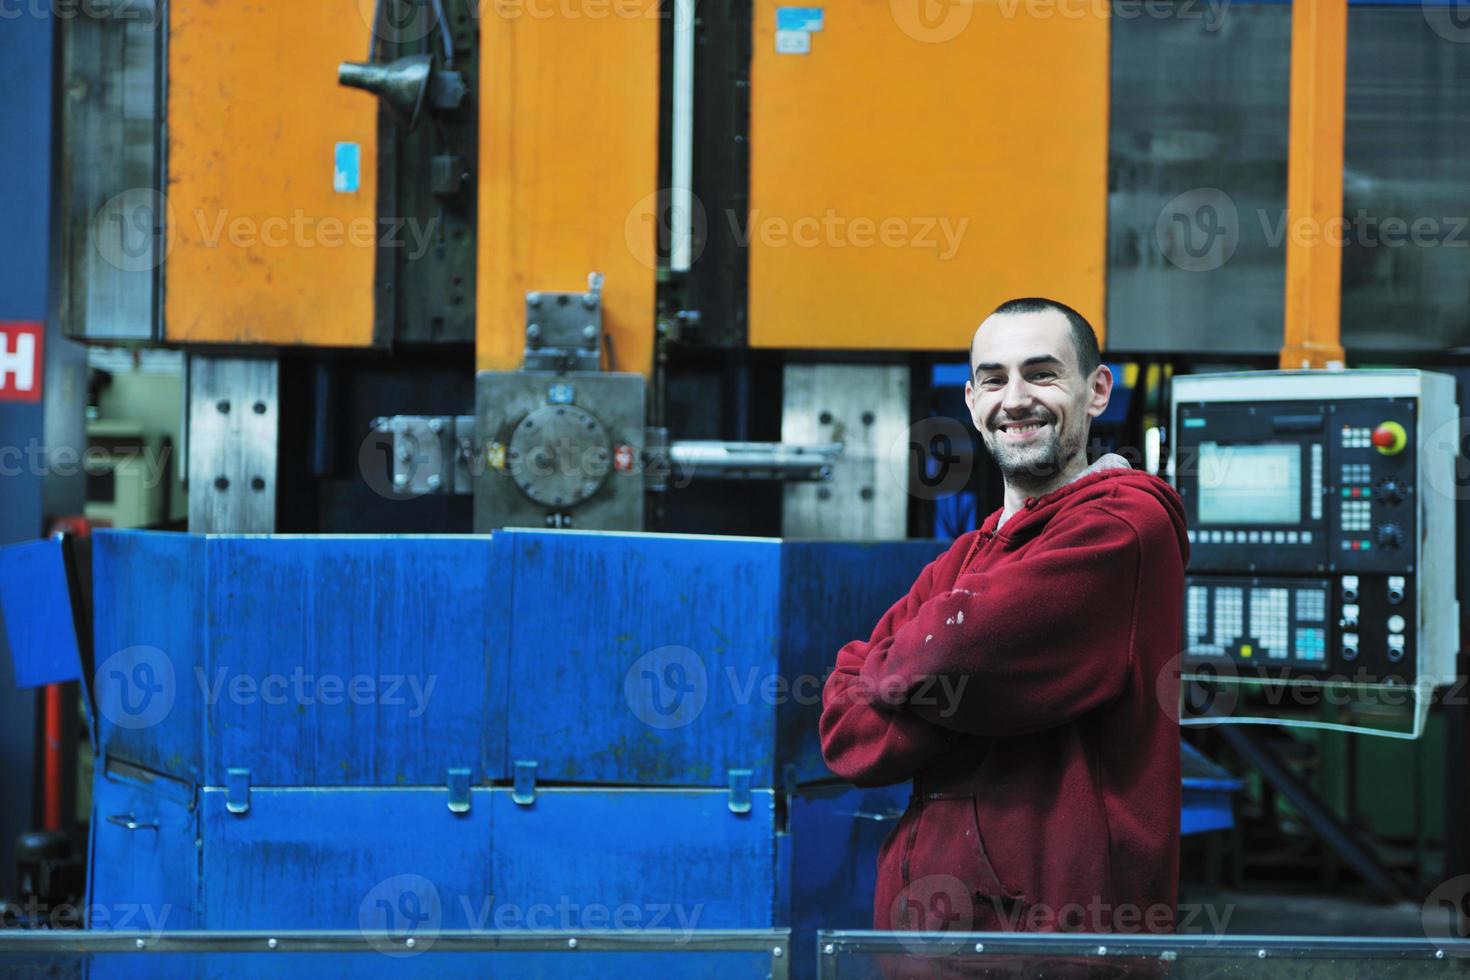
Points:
(524, 791)
(459, 791)
(740, 790)
(237, 791)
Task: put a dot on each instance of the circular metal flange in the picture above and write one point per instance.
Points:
(559, 455)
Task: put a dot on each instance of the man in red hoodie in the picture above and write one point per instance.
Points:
(1024, 683)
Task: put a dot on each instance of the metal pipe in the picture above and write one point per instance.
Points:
(719, 460)
(681, 194)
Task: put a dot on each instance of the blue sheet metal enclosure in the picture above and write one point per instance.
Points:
(335, 732)
(319, 732)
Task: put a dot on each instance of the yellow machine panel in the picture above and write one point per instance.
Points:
(263, 249)
(915, 164)
(568, 171)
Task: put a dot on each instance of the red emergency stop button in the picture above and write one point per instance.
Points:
(1390, 438)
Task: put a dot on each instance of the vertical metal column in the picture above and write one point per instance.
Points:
(1314, 184)
(233, 443)
(42, 441)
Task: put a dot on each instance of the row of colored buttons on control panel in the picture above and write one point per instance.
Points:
(1250, 537)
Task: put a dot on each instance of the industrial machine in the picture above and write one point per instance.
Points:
(443, 266)
(1321, 508)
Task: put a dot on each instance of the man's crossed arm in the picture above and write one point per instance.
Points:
(1021, 646)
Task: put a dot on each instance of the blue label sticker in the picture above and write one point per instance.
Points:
(1194, 423)
(347, 170)
(798, 18)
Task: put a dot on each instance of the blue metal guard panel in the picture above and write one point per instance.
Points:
(149, 628)
(307, 661)
(341, 661)
(36, 614)
(630, 652)
(693, 655)
(668, 858)
(832, 592)
(836, 834)
(390, 860)
(144, 861)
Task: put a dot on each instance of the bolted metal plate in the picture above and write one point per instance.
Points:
(564, 330)
(233, 432)
(865, 407)
(559, 455)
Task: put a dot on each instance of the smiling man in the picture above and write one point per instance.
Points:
(1025, 683)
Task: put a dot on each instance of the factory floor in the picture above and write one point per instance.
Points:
(1283, 913)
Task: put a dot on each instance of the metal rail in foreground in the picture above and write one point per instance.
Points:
(838, 947)
(775, 943)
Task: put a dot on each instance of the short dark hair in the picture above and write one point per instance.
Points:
(1084, 338)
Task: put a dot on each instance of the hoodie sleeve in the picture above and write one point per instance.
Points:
(1028, 645)
(868, 737)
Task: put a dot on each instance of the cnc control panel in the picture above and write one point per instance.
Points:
(1321, 524)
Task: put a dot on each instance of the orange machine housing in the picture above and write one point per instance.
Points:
(261, 248)
(568, 170)
(921, 163)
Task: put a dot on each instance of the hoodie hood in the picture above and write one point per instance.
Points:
(1104, 480)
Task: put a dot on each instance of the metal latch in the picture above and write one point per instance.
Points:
(459, 791)
(128, 821)
(740, 790)
(524, 791)
(237, 790)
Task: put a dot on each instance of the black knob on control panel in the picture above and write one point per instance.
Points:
(1389, 536)
(1388, 491)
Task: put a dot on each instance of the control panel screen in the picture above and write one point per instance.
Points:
(1250, 484)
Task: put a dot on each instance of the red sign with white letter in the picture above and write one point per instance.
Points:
(20, 361)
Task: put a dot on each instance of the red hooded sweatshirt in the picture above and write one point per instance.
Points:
(1026, 686)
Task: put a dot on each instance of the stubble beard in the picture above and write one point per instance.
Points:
(1036, 466)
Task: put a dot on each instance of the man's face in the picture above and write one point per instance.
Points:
(1028, 398)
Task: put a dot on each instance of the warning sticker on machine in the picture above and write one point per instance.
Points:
(21, 361)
